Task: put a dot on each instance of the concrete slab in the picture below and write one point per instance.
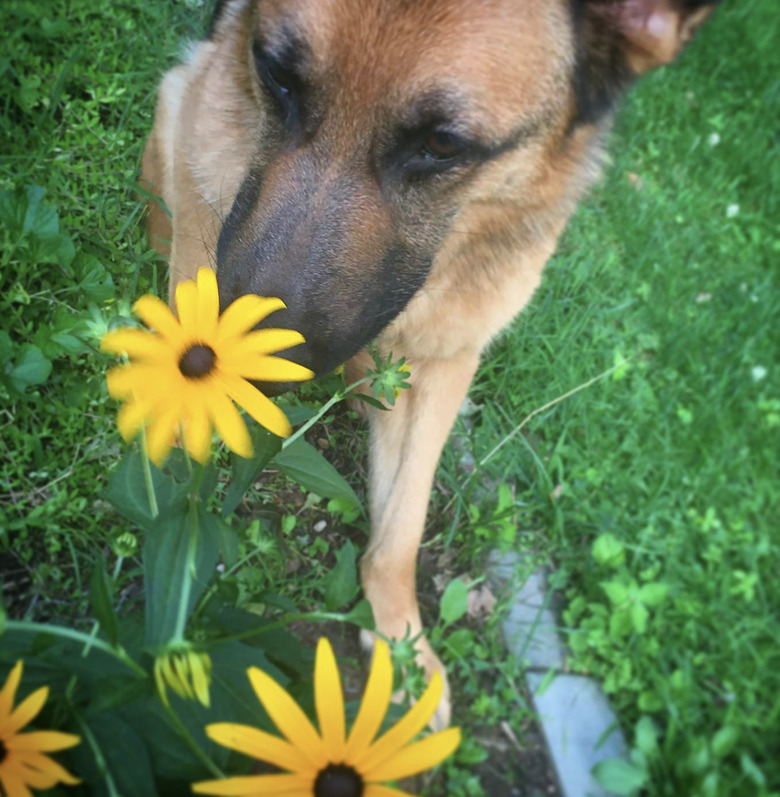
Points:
(575, 716)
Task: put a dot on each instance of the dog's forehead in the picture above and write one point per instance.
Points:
(493, 61)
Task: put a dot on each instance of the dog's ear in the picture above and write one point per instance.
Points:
(621, 39)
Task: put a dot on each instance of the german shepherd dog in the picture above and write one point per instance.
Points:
(397, 171)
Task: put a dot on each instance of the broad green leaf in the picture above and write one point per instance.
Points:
(172, 584)
(305, 465)
(127, 491)
(653, 594)
(101, 601)
(341, 584)
(31, 368)
(362, 615)
(246, 470)
(615, 591)
(639, 617)
(647, 736)
(619, 776)
(226, 537)
(39, 219)
(724, 741)
(54, 248)
(608, 550)
(125, 757)
(454, 602)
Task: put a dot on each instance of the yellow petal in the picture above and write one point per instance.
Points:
(12, 783)
(26, 711)
(262, 341)
(159, 678)
(273, 369)
(187, 308)
(418, 757)
(208, 303)
(147, 380)
(260, 745)
(254, 786)
(161, 433)
(138, 344)
(373, 707)
(261, 408)
(226, 418)
(42, 741)
(131, 417)
(8, 692)
(403, 731)
(33, 777)
(182, 670)
(288, 717)
(197, 432)
(49, 766)
(243, 314)
(158, 316)
(200, 679)
(329, 701)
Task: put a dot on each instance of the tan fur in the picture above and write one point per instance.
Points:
(520, 54)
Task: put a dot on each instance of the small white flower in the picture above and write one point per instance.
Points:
(732, 210)
(713, 140)
(758, 372)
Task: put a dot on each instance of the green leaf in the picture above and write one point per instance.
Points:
(127, 491)
(724, 741)
(39, 219)
(454, 602)
(647, 736)
(226, 537)
(246, 470)
(304, 464)
(608, 550)
(100, 590)
(362, 615)
(639, 617)
(32, 368)
(168, 573)
(341, 584)
(125, 754)
(619, 776)
(54, 248)
(615, 591)
(653, 594)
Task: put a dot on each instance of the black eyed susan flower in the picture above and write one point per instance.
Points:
(186, 671)
(24, 764)
(184, 376)
(332, 763)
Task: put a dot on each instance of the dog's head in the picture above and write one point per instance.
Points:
(372, 123)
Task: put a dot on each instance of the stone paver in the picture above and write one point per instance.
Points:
(579, 726)
(575, 716)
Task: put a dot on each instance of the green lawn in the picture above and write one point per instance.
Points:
(652, 492)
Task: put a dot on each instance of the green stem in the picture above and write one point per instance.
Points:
(26, 626)
(192, 550)
(191, 743)
(315, 617)
(147, 468)
(100, 760)
(338, 396)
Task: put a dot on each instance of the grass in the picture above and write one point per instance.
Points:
(652, 492)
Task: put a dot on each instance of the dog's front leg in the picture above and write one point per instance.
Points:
(405, 446)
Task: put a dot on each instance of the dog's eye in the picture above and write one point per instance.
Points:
(441, 146)
(280, 82)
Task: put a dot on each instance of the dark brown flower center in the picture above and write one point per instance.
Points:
(3, 751)
(338, 780)
(197, 361)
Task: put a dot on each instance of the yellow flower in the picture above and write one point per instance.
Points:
(23, 764)
(183, 375)
(187, 672)
(330, 763)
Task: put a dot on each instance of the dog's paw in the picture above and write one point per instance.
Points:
(430, 663)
